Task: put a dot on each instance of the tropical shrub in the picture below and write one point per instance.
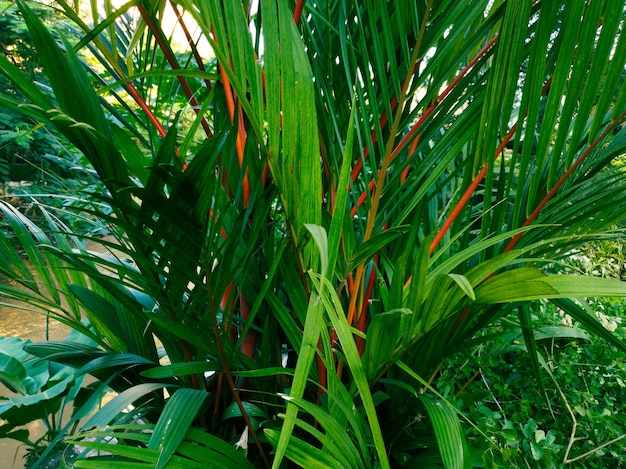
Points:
(351, 193)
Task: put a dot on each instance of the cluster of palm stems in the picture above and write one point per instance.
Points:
(312, 213)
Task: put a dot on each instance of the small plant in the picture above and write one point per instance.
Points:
(575, 421)
(40, 390)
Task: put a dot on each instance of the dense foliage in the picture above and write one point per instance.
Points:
(36, 162)
(311, 218)
(27, 151)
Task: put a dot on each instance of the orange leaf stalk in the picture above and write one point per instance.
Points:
(539, 207)
(361, 318)
(149, 114)
(536, 212)
(457, 209)
(468, 194)
(323, 372)
(241, 132)
(247, 346)
(359, 164)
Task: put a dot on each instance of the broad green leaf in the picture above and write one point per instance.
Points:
(293, 148)
(588, 321)
(557, 332)
(65, 380)
(338, 319)
(334, 439)
(112, 360)
(341, 200)
(29, 235)
(102, 314)
(302, 453)
(66, 75)
(119, 403)
(312, 330)
(342, 404)
(384, 335)
(375, 244)
(530, 284)
(321, 240)
(147, 456)
(251, 410)
(450, 438)
(464, 284)
(178, 414)
(12, 373)
(180, 369)
(197, 448)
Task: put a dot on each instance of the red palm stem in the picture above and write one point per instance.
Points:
(468, 193)
(298, 11)
(164, 45)
(362, 318)
(191, 42)
(472, 187)
(231, 382)
(564, 178)
(146, 109)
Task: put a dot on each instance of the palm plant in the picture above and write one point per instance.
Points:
(314, 212)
